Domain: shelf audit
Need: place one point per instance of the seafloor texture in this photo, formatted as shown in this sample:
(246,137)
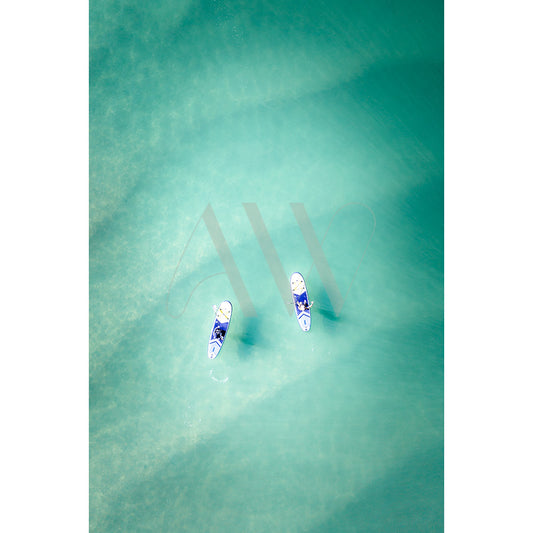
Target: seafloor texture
(336,105)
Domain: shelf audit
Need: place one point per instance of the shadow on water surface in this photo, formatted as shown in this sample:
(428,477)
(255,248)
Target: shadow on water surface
(323,307)
(249,335)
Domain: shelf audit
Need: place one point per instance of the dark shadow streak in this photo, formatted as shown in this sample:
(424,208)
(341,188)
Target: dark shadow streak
(250,334)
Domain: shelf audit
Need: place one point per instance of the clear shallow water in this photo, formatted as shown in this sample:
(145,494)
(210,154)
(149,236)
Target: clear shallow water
(338,106)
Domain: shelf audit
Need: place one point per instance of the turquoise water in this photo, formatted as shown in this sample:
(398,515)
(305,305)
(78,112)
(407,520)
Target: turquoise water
(336,105)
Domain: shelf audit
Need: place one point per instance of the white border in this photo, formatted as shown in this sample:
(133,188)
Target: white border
(44,224)
(488,267)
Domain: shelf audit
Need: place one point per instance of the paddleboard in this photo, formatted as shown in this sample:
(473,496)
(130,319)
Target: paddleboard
(301,301)
(219,329)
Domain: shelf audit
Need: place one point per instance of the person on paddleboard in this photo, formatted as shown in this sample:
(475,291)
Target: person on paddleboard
(304,306)
(219,333)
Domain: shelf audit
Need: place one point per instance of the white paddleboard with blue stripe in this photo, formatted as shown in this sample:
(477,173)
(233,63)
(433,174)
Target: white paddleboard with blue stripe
(219,329)
(300,298)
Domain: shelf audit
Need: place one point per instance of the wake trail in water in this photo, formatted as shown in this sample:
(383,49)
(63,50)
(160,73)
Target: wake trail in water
(216,379)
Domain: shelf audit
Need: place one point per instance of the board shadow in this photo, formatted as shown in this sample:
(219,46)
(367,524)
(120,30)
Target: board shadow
(323,307)
(250,334)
